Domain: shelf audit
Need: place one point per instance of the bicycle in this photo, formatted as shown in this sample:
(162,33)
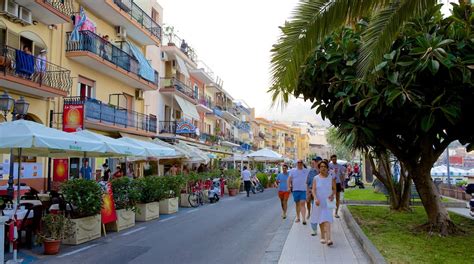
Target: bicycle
(196,197)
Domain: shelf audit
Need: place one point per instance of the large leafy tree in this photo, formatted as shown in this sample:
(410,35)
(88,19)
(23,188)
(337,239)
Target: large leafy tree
(413,103)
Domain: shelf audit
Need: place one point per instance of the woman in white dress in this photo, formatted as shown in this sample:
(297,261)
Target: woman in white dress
(324,191)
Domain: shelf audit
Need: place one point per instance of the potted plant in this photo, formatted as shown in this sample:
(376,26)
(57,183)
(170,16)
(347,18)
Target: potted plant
(125,198)
(150,191)
(233,181)
(55,227)
(85,197)
(172,186)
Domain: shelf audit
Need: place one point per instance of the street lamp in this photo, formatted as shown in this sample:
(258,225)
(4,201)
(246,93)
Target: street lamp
(20,109)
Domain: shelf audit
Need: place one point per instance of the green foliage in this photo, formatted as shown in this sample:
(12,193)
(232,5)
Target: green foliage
(260,167)
(150,189)
(232,178)
(394,234)
(85,195)
(263,178)
(172,185)
(125,196)
(461,183)
(273,179)
(55,227)
(339,145)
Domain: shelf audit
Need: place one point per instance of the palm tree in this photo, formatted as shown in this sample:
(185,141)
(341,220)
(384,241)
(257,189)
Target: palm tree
(314,19)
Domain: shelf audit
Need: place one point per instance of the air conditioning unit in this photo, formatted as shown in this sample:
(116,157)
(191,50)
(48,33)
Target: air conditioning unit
(121,32)
(9,8)
(24,16)
(139,94)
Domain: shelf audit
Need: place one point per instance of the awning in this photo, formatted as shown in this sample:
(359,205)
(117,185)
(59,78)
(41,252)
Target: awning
(229,144)
(182,67)
(187,107)
(195,154)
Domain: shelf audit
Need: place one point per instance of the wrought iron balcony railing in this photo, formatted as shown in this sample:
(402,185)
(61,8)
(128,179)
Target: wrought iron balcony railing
(179,86)
(91,42)
(137,14)
(113,115)
(37,69)
(64,6)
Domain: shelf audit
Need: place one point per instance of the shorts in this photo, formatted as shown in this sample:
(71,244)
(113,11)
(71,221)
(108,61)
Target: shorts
(283,195)
(299,196)
(338,187)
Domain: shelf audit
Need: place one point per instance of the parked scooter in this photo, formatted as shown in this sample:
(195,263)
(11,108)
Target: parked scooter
(215,191)
(470,191)
(354,181)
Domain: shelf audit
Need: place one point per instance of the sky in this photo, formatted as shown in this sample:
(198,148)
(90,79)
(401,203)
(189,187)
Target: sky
(234,39)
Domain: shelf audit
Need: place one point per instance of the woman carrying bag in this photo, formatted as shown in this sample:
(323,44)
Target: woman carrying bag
(324,192)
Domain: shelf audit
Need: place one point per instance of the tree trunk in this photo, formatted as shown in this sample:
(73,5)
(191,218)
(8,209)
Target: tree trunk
(438,217)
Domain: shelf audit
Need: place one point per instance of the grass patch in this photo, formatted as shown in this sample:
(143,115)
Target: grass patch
(394,236)
(368,194)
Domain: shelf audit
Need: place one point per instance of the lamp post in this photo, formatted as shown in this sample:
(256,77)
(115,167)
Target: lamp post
(20,109)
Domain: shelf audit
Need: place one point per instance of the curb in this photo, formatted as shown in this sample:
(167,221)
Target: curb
(369,248)
(446,204)
(274,249)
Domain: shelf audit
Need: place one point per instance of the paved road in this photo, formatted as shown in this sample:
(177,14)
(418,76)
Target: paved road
(235,230)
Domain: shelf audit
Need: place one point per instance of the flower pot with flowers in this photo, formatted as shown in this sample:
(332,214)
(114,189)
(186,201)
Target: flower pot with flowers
(54,228)
(125,198)
(85,196)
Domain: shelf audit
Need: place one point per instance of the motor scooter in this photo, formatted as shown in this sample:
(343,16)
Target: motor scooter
(470,191)
(354,181)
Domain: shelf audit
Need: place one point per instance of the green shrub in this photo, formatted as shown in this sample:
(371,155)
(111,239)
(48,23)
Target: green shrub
(461,183)
(172,185)
(55,227)
(232,178)
(125,196)
(273,179)
(149,188)
(263,178)
(85,195)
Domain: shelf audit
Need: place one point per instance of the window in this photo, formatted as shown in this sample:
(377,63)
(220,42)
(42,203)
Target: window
(86,88)
(155,16)
(177,115)
(208,128)
(196,91)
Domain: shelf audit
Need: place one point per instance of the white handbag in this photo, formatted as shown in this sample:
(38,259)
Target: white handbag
(331,204)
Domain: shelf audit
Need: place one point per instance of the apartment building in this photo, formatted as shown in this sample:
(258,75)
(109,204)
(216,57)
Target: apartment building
(81,65)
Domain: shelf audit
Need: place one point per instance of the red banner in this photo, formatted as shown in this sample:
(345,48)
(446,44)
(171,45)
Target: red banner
(73,117)
(456,160)
(60,170)
(108,213)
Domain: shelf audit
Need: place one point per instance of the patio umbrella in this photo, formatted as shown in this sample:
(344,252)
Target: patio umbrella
(195,154)
(151,149)
(113,146)
(75,32)
(265,155)
(179,153)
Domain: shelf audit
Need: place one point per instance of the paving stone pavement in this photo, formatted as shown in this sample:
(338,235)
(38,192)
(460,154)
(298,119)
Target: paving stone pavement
(300,247)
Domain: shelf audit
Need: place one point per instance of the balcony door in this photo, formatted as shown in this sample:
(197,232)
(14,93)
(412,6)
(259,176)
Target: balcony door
(85,88)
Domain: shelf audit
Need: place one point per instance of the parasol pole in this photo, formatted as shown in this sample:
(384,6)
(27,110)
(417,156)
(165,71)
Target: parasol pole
(18,181)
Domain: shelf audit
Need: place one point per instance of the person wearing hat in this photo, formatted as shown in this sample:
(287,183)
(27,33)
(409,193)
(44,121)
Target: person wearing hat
(313,172)
(41,65)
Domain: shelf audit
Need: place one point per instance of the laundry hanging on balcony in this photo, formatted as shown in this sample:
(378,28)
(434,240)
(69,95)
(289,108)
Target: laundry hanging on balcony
(80,21)
(146,71)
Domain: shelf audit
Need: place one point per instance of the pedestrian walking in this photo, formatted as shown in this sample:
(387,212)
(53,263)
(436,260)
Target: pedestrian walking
(283,192)
(313,172)
(338,171)
(297,184)
(245,174)
(324,192)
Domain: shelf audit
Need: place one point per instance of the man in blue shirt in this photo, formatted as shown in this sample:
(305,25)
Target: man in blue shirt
(309,182)
(86,171)
(283,192)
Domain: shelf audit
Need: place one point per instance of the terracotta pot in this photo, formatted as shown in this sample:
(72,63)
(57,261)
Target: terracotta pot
(233,192)
(51,247)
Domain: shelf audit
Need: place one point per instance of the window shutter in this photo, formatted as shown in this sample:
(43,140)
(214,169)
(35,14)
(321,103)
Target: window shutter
(13,39)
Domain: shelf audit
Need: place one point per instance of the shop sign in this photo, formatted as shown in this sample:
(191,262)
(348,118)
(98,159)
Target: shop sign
(73,117)
(185,127)
(60,170)
(108,213)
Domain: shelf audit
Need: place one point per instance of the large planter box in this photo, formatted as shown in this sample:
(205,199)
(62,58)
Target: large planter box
(169,206)
(226,190)
(147,212)
(125,219)
(86,229)
(183,201)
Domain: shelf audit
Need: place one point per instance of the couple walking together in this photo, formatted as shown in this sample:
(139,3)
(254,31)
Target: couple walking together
(319,184)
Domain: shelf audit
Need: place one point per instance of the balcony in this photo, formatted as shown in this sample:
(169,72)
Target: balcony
(49,12)
(244,126)
(32,75)
(184,51)
(103,116)
(93,51)
(205,105)
(175,86)
(125,13)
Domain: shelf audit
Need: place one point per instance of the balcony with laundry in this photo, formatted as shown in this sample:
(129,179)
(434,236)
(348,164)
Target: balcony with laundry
(130,67)
(107,117)
(140,26)
(48,12)
(34,75)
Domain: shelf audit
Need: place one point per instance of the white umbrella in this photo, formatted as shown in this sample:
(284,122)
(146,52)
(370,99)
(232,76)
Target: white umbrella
(236,157)
(194,154)
(113,146)
(151,149)
(265,155)
(38,140)
(179,153)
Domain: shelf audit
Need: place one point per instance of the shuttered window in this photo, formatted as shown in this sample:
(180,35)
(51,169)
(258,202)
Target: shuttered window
(13,39)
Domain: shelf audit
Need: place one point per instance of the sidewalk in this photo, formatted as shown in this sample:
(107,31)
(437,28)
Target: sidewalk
(301,247)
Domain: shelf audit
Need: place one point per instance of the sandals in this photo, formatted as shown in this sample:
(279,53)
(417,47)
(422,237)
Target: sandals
(297,220)
(304,222)
(330,243)
(323,241)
